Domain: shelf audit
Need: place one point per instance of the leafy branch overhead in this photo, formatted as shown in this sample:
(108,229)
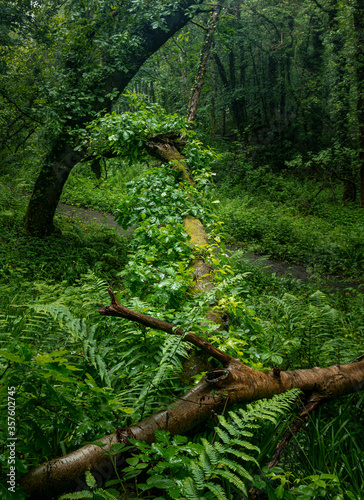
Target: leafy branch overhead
(125,134)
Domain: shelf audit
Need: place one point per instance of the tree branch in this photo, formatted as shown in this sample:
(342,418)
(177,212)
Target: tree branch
(19,109)
(116,309)
(236,382)
(314,402)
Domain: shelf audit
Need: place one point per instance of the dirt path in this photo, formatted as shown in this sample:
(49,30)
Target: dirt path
(88,215)
(284,269)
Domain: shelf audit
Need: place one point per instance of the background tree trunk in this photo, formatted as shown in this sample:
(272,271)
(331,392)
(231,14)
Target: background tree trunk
(201,72)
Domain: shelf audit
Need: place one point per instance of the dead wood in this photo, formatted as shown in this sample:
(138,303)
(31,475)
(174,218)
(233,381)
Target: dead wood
(234,382)
(116,309)
(314,402)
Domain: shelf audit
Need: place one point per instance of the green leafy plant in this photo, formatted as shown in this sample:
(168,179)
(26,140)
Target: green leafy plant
(94,492)
(205,469)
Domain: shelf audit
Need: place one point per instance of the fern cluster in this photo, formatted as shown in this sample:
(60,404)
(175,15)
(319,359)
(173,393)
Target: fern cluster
(219,466)
(214,468)
(78,374)
(312,331)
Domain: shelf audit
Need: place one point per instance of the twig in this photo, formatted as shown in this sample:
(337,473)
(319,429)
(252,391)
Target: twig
(19,109)
(223,413)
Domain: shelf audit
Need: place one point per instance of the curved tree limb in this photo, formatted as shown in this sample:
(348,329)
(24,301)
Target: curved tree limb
(236,383)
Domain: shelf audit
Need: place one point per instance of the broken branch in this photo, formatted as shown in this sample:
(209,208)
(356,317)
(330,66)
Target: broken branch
(116,309)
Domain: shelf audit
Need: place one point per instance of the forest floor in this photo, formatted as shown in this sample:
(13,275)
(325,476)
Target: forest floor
(280,268)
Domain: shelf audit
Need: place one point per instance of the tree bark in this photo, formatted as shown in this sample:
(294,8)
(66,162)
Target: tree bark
(201,72)
(237,110)
(48,189)
(234,383)
(62,158)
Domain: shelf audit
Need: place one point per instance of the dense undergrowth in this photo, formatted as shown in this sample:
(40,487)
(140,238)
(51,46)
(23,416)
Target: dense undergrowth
(79,376)
(279,215)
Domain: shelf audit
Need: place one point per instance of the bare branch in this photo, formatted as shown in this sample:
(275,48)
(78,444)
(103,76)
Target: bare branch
(19,109)
(116,309)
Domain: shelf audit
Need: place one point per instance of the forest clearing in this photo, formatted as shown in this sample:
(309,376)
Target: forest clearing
(182,249)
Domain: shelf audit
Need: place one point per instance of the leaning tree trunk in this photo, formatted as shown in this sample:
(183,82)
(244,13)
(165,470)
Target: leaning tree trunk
(168,149)
(48,189)
(234,383)
(53,175)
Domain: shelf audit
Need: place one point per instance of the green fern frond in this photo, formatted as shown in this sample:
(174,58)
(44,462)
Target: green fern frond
(233,431)
(198,475)
(77,495)
(246,444)
(217,490)
(211,451)
(221,460)
(234,479)
(205,463)
(189,489)
(240,454)
(319,299)
(232,465)
(224,436)
(99,493)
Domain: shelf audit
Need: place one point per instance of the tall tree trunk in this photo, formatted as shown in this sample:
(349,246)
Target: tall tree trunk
(235,383)
(213,102)
(201,72)
(234,105)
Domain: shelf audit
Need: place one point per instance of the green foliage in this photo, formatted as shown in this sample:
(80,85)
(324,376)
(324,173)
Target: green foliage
(77,375)
(84,189)
(156,204)
(330,455)
(160,252)
(62,258)
(94,493)
(291,88)
(299,326)
(59,258)
(313,330)
(124,134)
(203,469)
(330,240)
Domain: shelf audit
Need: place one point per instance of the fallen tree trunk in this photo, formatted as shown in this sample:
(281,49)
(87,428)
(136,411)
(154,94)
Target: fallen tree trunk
(233,383)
